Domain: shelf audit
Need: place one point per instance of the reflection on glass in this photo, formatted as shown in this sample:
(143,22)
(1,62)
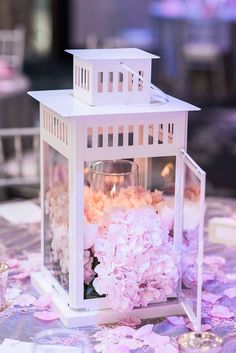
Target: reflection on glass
(163,174)
(56,221)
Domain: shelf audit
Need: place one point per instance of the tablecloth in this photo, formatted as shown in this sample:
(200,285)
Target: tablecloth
(23,242)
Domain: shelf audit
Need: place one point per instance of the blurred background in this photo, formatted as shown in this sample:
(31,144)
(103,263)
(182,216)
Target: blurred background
(195,39)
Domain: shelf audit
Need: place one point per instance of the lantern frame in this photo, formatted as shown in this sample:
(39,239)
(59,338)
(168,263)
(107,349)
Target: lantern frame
(72,128)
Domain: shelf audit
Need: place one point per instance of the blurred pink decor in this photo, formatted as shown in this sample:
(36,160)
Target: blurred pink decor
(3,284)
(6,71)
(12,46)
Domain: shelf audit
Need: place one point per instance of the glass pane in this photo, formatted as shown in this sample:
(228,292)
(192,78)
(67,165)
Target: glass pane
(129,251)
(56,217)
(192,223)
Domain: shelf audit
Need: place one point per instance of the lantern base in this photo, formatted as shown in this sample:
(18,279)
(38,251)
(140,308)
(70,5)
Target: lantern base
(82,317)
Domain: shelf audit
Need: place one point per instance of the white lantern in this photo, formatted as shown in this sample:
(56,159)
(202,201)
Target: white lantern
(122,202)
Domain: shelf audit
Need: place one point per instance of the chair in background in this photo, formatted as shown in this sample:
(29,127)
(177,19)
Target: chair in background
(126,26)
(12,46)
(19,163)
(202,52)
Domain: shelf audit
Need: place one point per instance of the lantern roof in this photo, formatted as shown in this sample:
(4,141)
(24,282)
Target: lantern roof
(111,54)
(65,104)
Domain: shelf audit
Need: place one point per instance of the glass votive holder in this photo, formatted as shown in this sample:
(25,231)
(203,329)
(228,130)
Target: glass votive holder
(3,284)
(111,176)
(60,340)
(203,342)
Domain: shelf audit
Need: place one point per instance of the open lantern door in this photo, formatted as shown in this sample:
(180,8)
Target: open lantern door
(192,220)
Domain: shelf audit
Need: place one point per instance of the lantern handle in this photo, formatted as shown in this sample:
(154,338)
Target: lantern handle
(163,97)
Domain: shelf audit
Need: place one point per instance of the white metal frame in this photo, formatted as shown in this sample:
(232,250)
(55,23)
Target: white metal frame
(117,93)
(81,153)
(89,69)
(78,152)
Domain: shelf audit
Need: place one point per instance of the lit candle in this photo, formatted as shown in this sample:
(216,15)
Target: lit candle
(110,177)
(113,191)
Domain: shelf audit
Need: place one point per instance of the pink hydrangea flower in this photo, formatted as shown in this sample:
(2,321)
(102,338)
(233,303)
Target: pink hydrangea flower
(137,262)
(57,208)
(96,205)
(166,214)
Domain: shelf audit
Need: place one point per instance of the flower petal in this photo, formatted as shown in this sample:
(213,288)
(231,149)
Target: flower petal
(24,300)
(156,341)
(13,263)
(143,331)
(210,297)
(204,327)
(230,292)
(43,301)
(124,331)
(46,315)
(214,260)
(21,276)
(176,320)
(221,311)
(130,321)
(168,348)
(118,348)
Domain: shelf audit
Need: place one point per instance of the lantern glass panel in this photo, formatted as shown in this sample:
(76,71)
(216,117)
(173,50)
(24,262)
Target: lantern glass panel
(192,243)
(129,218)
(56,215)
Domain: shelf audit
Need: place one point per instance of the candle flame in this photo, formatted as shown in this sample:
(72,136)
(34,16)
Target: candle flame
(167,169)
(113,191)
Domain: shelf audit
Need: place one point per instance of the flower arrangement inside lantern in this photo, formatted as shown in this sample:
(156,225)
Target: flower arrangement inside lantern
(129,252)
